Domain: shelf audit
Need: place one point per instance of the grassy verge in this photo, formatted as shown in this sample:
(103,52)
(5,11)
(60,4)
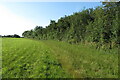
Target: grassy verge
(84,61)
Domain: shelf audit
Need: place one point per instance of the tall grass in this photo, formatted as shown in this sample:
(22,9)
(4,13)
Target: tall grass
(84,61)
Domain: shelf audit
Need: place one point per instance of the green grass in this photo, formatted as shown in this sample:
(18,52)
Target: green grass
(25,58)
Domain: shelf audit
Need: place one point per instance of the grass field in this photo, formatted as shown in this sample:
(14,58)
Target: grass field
(25,58)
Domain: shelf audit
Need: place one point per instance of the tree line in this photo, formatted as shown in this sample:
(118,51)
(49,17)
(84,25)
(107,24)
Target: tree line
(10,36)
(99,26)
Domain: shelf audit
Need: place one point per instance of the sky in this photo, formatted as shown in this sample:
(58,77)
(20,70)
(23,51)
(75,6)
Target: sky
(17,17)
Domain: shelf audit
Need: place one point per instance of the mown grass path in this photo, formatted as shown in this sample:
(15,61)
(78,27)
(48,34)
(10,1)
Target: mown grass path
(25,58)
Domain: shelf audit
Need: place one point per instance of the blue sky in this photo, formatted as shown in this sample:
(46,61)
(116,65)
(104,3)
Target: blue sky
(37,13)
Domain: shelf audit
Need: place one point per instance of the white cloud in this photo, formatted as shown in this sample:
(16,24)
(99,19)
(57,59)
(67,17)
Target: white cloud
(11,23)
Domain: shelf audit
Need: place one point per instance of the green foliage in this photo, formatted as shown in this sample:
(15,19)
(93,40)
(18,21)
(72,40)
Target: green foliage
(99,25)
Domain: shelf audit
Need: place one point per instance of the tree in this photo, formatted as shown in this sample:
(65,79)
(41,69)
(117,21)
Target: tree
(99,26)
